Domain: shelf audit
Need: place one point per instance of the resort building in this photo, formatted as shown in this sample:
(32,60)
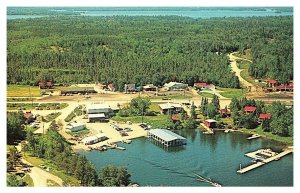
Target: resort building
(165,108)
(77,90)
(264,116)
(129,88)
(97,118)
(204,86)
(73,127)
(28,117)
(175,86)
(96,108)
(210,123)
(149,87)
(94,139)
(249,109)
(166,137)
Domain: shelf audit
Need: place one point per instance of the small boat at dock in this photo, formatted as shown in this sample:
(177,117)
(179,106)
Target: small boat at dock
(128,141)
(121,148)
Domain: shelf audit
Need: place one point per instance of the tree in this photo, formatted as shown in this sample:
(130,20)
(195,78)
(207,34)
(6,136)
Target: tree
(13,156)
(211,110)
(265,125)
(139,105)
(15,131)
(216,102)
(189,123)
(193,111)
(13,181)
(114,176)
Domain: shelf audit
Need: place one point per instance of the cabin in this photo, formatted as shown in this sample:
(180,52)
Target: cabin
(149,87)
(166,137)
(28,117)
(225,113)
(204,86)
(271,83)
(210,123)
(165,108)
(263,116)
(45,85)
(175,86)
(94,139)
(99,110)
(75,126)
(111,87)
(283,87)
(249,109)
(129,88)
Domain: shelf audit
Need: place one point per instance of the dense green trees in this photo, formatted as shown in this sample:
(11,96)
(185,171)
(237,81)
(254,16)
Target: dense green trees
(114,176)
(137,107)
(12,180)
(144,49)
(210,109)
(280,124)
(15,126)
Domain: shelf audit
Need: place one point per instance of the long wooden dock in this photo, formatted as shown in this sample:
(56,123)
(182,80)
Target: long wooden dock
(254,136)
(265,161)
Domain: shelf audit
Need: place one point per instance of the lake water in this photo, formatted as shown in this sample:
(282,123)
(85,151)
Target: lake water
(214,156)
(198,13)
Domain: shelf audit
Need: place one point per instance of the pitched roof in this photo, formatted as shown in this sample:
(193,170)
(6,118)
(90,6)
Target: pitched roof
(272,81)
(249,108)
(265,116)
(203,84)
(170,105)
(210,121)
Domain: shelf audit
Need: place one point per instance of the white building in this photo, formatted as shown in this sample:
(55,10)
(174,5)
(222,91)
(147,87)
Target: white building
(165,107)
(175,86)
(94,139)
(72,127)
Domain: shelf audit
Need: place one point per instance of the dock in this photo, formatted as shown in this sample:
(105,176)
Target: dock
(261,160)
(208,131)
(254,136)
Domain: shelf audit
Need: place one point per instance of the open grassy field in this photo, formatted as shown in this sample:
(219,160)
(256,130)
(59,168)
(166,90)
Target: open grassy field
(242,64)
(205,94)
(247,54)
(18,99)
(269,135)
(28,180)
(22,91)
(245,75)
(51,116)
(232,92)
(160,121)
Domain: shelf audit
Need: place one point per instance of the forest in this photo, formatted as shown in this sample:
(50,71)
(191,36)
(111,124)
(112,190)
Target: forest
(141,50)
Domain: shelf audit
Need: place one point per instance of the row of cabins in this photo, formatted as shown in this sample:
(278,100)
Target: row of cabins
(273,85)
(130,88)
(45,84)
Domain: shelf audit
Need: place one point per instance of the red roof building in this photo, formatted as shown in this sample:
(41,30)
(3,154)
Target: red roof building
(210,123)
(265,116)
(204,85)
(249,109)
(282,87)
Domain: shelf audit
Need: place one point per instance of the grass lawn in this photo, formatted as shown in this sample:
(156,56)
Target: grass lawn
(242,64)
(245,75)
(80,133)
(247,54)
(172,97)
(22,91)
(160,121)
(31,106)
(205,94)
(269,135)
(232,92)
(51,116)
(154,107)
(227,120)
(28,180)
(17,99)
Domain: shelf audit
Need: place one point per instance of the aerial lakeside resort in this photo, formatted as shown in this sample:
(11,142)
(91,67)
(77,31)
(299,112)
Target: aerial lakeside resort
(97,110)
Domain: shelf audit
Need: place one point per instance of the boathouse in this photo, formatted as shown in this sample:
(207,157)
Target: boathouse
(94,139)
(210,123)
(166,137)
(73,127)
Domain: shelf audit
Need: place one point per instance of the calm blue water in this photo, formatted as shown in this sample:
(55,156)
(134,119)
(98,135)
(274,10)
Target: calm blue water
(187,13)
(217,157)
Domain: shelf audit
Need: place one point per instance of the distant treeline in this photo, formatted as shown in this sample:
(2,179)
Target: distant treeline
(142,50)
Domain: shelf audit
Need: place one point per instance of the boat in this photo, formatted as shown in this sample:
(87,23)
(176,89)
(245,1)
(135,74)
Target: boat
(121,148)
(128,141)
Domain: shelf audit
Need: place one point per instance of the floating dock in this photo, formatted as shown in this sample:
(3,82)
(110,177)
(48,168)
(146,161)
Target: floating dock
(261,160)
(254,136)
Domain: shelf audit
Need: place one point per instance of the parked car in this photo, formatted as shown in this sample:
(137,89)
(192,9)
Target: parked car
(127,129)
